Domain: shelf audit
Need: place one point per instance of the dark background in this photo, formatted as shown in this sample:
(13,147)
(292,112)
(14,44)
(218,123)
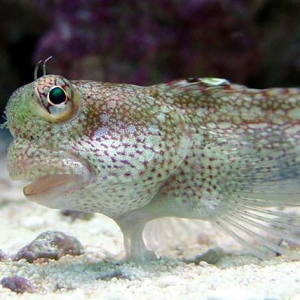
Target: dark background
(256,43)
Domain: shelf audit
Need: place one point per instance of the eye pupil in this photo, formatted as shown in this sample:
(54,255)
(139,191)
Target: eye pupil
(57,96)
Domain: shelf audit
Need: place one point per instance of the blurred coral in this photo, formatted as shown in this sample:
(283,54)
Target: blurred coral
(21,26)
(145,42)
(254,42)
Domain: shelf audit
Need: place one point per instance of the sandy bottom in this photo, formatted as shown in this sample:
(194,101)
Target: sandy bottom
(101,273)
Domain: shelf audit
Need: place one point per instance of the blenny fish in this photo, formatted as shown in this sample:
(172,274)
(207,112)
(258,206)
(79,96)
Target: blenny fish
(198,148)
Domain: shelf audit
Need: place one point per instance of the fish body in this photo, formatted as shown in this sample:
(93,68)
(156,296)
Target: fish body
(200,148)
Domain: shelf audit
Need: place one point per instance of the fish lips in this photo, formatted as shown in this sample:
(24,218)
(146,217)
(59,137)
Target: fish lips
(52,187)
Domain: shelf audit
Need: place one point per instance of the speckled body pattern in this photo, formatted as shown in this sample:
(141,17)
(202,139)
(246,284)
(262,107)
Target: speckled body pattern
(199,148)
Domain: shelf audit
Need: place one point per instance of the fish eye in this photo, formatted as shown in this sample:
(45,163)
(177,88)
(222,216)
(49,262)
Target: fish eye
(57,95)
(56,99)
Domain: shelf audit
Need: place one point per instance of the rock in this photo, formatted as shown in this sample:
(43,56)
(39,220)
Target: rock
(17,284)
(50,245)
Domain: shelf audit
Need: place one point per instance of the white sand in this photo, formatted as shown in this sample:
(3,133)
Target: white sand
(234,277)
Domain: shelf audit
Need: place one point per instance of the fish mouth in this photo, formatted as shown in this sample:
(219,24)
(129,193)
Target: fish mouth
(52,184)
(54,175)
(55,191)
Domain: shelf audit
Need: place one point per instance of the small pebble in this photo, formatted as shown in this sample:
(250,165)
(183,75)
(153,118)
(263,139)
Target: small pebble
(236,293)
(114,274)
(169,280)
(75,214)
(203,239)
(2,255)
(50,245)
(17,284)
(211,256)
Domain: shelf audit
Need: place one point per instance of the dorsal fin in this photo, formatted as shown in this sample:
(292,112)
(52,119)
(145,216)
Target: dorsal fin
(193,84)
